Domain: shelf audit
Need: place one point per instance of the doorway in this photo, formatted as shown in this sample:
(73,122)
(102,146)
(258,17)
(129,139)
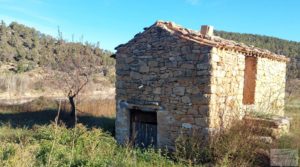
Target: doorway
(143,128)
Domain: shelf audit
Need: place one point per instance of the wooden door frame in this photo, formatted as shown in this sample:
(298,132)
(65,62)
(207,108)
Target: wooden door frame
(150,121)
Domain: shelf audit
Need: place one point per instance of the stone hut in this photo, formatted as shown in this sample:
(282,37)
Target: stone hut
(172,81)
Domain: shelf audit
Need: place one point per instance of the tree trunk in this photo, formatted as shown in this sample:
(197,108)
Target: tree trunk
(73,113)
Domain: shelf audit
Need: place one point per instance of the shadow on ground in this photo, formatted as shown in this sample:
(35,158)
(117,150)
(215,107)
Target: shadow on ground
(45,117)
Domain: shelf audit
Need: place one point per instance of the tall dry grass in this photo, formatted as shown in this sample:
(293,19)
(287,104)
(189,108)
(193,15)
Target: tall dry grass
(106,107)
(42,111)
(292,139)
(237,146)
(97,108)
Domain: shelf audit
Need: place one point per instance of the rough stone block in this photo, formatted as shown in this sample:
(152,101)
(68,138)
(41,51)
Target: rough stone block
(187,66)
(201,122)
(157,91)
(203,66)
(188,119)
(144,69)
(135,75)
(153,63)
(179,90)
(186,99)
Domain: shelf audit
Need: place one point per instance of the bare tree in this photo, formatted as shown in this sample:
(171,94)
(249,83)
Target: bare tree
(72,71)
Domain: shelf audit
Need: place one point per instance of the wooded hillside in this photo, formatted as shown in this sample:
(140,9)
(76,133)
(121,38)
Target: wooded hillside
(26,48)
(276,45)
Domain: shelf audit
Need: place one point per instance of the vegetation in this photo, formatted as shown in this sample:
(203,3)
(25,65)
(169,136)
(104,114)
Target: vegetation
(69,65)
(26,48)
(74,70)
(92,113)
(235,147)
(58,146)
(29,137)
(276,45)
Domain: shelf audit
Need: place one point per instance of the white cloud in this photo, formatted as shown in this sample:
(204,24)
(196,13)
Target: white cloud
(31,14)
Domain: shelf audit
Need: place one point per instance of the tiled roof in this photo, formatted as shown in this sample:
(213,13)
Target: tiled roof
(218,42)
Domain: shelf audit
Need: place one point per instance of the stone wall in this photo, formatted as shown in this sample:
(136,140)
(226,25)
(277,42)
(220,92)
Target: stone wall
(158,68)
(227,88)
(227,83)
(270,86)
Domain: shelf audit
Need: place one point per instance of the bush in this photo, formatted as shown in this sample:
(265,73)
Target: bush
(24,67)
(237,146)
(193,149)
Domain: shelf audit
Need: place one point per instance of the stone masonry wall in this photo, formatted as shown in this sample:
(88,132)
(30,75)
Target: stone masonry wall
(163,69)
(227,88)
(270,86)
(227,83)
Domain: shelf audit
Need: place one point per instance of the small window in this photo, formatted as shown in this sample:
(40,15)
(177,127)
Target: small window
(249,80)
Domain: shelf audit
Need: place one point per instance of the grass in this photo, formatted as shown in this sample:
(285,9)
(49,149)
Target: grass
(51,145)
(98,114)
(96,108)
(291,140)
(29,137)
(234,147)
(106,107)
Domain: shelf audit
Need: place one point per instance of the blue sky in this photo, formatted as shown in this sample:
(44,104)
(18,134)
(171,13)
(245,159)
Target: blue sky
(112,22)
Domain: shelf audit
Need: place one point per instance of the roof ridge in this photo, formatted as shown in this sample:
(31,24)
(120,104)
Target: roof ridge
(217,41)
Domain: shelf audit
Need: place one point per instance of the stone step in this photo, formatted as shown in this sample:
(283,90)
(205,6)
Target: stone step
(274,127)
(274,122)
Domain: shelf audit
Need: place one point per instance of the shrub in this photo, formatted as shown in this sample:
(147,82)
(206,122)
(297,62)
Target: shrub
(24,67)
(237,146)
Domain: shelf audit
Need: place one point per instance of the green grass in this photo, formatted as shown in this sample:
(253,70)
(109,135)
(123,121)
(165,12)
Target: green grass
(51,145)
(28,137)
(292,139)
(31,139)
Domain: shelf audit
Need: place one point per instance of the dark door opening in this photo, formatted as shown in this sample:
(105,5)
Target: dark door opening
(143,128)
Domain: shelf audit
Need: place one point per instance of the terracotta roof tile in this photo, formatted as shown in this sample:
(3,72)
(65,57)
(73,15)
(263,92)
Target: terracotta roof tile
(218,42)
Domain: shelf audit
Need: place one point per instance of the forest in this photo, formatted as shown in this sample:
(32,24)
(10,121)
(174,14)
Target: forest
(276,45)
(26,48)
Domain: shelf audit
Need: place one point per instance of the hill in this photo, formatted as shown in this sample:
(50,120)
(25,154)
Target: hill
(276,45)
(28,57)
(25,48)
